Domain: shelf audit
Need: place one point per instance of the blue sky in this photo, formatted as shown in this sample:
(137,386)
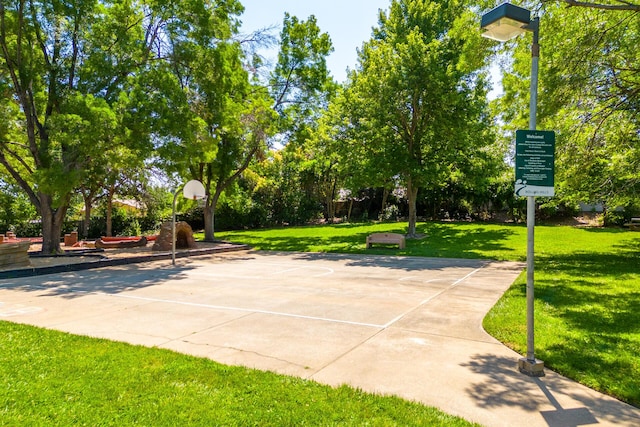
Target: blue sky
(348,23)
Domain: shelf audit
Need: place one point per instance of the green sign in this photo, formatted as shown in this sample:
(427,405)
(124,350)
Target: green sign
(535,155)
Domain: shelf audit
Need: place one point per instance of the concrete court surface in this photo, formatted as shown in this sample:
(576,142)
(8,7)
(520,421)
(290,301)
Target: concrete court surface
(390,325)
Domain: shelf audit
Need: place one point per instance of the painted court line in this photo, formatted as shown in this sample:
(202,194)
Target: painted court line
(18,310)
(244,310)
(328,272)
(432,297)
(289,268)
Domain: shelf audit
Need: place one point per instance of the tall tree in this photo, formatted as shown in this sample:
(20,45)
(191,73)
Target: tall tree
(124,52)
(416,104)
(237,147)
(589,94)
(301,84)
(302,88)
(225,120)
(238,118)
(65,63)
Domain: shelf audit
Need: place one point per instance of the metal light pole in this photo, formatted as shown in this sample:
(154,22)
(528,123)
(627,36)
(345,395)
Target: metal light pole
(504,23)
(531,366)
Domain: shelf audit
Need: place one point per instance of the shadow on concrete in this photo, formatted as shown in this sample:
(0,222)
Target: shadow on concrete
(79,283)
(101,261)
(403,263)
(504,386)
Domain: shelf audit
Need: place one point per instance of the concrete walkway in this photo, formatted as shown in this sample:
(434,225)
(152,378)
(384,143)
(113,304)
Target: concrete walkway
(392,325)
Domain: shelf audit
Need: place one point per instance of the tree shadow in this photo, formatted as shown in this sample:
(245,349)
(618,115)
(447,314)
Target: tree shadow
(456,241)
(404,263)
(594,295)
(504,386)
(441,240)
(73,285)
(603,311)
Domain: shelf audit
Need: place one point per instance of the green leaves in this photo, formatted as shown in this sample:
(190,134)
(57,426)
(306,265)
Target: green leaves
(301,85)
(416,104)
(590,95)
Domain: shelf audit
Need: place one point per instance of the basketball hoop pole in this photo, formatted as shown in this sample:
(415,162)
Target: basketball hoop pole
(173,227)
(192,189)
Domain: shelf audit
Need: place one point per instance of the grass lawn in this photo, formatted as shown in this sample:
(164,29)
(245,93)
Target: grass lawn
(587,283)
(52,378)
(461,240)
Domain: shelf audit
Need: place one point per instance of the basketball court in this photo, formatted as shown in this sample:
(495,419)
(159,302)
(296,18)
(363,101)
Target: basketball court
(394,325)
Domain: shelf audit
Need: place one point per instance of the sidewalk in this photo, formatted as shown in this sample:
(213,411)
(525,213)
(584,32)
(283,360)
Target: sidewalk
(392,325)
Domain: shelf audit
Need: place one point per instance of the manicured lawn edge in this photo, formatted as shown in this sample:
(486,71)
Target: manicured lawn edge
(53,378)
(587,283)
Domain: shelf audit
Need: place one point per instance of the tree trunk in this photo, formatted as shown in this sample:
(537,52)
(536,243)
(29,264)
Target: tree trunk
(412,194)
(52,220)
(210,218)
(87,217)
(209,223)
(331,210)
(109,215)
(385,198)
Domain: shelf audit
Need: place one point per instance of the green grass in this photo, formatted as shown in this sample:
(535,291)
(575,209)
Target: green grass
(461,240)
(587,289)
(51,378)
(587,283)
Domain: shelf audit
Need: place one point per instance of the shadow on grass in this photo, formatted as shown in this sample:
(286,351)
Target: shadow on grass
(455,240)
(445,240)
(601,361)
(597,297)
(596,291)
(598,312)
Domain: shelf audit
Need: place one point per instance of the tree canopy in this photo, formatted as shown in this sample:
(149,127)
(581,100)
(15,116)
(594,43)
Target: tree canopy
(93,92)
(416,102)
(589,94)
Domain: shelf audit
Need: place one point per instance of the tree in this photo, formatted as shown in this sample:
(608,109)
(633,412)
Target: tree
(224,120)
(123,52)
(416,104)
(237,118)
(301,84)
(65,64)
(302,87)
(616,5)
(589,94)
(237,147)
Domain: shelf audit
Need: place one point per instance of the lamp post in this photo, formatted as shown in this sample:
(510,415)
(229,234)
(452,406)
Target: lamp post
(503,23)
(191,190)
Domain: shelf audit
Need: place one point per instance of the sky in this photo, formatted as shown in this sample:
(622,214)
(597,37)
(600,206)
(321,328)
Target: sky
(348,22)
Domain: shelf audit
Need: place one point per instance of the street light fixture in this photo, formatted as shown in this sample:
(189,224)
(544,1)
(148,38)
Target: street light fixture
(191,190)
(503,23)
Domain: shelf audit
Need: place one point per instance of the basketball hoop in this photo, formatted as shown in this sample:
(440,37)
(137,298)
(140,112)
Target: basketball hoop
(194,190)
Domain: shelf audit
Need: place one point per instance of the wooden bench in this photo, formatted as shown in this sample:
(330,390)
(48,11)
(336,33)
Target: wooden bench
(634,224)
(386,239)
